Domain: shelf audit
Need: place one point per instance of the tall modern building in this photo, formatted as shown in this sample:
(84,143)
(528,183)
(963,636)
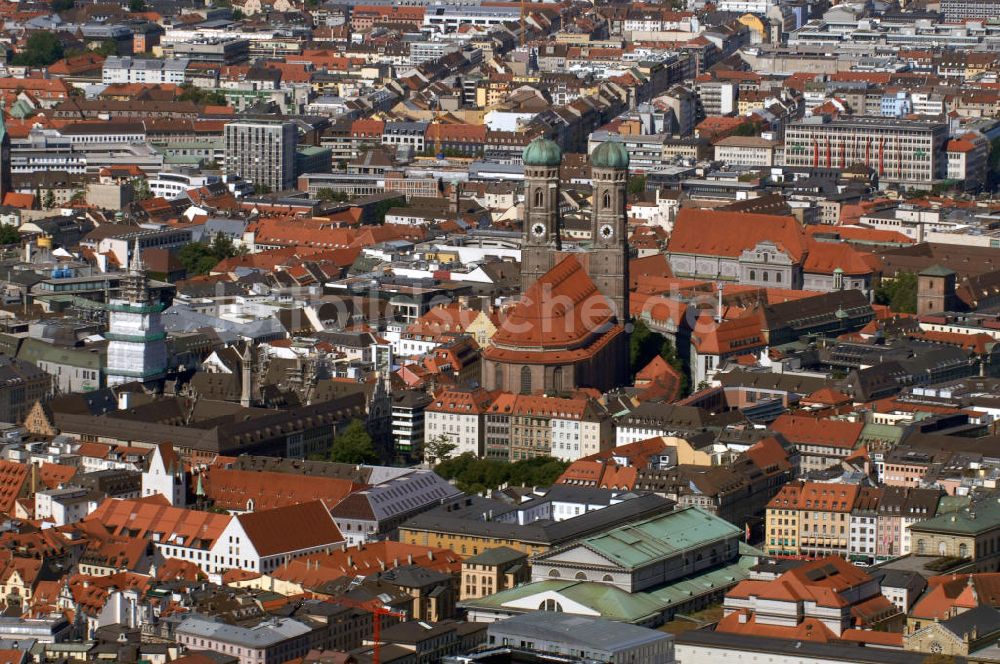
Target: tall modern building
(957,11)
(262,152)
(903,151)
(137,348)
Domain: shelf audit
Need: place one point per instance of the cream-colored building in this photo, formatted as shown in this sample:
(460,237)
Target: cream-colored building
(493,570)
(746,151)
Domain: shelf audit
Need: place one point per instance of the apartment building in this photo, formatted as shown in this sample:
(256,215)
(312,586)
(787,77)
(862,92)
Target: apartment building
(908,152)
(959,11)
(262,152)
(746,151)
(458,416)
(143,70)
(810,519)
(567,429)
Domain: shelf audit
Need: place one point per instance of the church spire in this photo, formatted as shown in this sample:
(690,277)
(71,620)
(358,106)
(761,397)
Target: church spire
(135,265)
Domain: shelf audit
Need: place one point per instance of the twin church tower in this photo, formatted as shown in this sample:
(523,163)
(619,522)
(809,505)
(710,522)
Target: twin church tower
(607,260)
(568,330)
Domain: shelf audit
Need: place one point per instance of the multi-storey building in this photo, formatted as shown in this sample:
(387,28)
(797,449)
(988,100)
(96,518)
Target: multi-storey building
(408,423)
(901,151)
(864,525)
(457,416)
(21,385)
(143,70)
(959,11)
(746,151)
(493,570)
(263,152)
(810,519)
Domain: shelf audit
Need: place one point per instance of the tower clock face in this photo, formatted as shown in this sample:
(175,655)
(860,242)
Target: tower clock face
(607,232)
(538,230)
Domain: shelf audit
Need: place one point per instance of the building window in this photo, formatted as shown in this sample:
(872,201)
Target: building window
(606,201)
(539,198)
(550,605)
(525,380)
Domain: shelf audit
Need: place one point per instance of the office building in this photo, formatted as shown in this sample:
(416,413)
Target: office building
(262,152)
(908,152)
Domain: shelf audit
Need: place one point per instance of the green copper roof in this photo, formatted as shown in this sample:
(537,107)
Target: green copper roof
(936,271)
(610,154)
(977,518)
(613,603)
(639,544)
(542,152)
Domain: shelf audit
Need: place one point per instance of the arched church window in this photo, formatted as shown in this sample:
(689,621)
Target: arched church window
(499,376)
(550,605)
(557,379)
(607,200)
(525,380)
(539,197)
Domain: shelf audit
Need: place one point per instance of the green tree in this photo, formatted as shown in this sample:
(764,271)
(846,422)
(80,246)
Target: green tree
(439,448)
(261,189)
(645,344)
(136,6)
(9,234)
(140,186)
(636,185)
(61,5)
(200,258)
(78,198)
(330,196)
(746,129)
(474,475)
(900,294)
(48,199)
(41,50)
(194,94)
(197,258)
(107,47)
(354,445)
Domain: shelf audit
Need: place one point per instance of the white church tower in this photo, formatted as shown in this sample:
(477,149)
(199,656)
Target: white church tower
(137,348)
(165,476)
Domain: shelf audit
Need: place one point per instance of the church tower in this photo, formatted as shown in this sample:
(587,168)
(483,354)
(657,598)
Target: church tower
(608,266)
(137,348)
(6,180)
(541,238)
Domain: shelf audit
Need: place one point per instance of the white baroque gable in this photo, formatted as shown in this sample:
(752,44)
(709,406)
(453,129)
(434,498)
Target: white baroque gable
(534,602)
(577,555)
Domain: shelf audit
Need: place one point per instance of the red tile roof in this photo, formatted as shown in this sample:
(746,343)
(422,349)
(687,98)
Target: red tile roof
(560,310)
(814,431)
(825,257)
(232,489)
(714,233)
(292,528)
(12,478)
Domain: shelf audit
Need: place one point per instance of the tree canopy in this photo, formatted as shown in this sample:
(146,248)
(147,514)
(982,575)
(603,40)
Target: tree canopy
(474,475)
(9,234)
(198,258)
(41,50)
(192,93)
(354,445)
(899,293)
